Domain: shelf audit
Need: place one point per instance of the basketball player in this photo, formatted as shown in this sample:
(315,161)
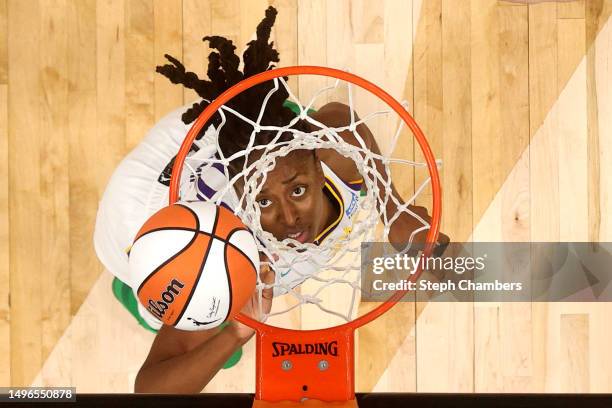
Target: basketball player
(302,199)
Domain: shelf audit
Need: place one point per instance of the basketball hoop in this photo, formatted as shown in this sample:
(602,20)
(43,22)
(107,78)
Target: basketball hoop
(295,365)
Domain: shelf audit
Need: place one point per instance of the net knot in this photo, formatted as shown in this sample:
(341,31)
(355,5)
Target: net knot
(310,299)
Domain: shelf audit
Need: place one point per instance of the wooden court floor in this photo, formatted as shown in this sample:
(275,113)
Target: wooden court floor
(515,99)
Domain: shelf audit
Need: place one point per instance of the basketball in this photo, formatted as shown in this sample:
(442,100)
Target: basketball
(194,265)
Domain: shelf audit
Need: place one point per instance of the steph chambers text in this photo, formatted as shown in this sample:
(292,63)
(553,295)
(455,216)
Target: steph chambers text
(462,285)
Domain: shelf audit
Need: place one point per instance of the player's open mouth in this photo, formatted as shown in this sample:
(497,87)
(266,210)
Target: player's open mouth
(300,236)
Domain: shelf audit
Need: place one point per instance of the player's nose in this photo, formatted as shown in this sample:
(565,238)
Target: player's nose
(289,215)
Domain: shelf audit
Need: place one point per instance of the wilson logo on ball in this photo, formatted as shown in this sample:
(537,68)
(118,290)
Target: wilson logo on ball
(159,307)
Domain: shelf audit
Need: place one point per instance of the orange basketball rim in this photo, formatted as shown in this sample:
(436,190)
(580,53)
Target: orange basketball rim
(321,367)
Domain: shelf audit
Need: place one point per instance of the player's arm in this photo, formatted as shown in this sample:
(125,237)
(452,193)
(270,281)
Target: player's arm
(185,361)
(406,224)
(338,115)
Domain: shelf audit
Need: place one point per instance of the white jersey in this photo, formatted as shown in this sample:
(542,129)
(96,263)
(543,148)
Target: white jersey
(139,187)
(345,196)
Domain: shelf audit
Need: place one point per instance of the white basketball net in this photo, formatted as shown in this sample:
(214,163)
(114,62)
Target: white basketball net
(306,272)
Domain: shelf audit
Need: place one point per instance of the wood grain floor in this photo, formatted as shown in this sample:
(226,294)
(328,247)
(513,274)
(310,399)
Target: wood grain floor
(515,99)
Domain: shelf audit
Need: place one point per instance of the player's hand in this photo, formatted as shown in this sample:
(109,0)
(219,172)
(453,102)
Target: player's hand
(403,227)
(258,304)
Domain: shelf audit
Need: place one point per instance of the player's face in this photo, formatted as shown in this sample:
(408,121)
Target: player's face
(292,201)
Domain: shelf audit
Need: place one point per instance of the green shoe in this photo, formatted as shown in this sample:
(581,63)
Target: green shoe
(126,297)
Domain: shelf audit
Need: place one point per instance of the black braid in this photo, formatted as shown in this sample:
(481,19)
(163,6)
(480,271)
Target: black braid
(259,53)
(223,72)
(177,75)
(229,61)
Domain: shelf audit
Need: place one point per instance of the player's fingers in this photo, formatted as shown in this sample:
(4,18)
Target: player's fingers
(267,276)
(442,244)
(268,279)
(267,294)
(266,273)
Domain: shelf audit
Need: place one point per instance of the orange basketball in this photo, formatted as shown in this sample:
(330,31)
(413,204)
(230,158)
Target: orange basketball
(194,265)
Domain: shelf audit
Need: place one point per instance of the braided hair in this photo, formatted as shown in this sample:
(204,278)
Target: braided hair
(223,72)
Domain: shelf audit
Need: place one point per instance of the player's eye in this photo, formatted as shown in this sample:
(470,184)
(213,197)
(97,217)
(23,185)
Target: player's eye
(264,202)
(299,191)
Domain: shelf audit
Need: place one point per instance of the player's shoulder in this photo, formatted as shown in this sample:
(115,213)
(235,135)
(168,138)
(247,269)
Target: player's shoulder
(342,167)
(333,114)
(336,114)
(339,115)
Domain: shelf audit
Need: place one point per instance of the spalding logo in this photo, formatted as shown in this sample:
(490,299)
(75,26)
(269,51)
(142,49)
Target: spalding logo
(284,349)
(159,307)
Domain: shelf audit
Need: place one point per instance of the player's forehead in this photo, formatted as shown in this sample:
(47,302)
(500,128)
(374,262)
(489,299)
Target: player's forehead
(296,163)
(300,160)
